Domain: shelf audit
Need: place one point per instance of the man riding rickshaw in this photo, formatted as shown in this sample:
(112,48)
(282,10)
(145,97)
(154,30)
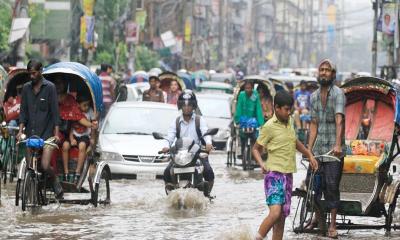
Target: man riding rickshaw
(250,111)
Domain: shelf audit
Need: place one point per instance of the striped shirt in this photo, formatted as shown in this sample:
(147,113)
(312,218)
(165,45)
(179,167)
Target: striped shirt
(108,85)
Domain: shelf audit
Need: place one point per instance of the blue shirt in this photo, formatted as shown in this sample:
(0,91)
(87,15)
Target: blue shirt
(303,99)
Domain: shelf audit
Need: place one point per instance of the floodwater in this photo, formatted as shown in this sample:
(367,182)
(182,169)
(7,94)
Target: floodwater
(141,210)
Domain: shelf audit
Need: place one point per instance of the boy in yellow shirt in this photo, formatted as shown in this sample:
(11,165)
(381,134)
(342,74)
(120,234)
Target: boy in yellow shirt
(278,138)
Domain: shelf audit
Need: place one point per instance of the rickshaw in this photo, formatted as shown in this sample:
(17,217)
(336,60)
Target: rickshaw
(167,77)
(187,79)
(233,143)
(80,80)
(11,155)
(139,76)
(367,186)
(311,86)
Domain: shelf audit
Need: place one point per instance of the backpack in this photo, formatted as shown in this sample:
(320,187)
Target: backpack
(198,130)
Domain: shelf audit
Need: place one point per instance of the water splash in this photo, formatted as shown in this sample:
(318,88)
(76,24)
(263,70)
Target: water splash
(241,232)
(188,198)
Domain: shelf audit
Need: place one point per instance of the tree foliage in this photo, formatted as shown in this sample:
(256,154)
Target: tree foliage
(5,24)
(145,59)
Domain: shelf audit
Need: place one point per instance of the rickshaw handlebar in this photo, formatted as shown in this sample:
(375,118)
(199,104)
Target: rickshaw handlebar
(47,142)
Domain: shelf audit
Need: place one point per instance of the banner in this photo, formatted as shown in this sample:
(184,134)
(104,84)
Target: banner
(87,31)
(131,32)
(388,19)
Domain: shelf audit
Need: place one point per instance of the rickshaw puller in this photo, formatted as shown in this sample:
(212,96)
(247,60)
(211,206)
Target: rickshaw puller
(327,134)
(40,115)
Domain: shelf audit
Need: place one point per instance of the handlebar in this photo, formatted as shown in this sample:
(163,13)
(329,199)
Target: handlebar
(47,142)
(10,127)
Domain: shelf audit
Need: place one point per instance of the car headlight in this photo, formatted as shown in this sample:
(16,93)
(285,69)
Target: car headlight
(183,158)
(225,133)
(111,156)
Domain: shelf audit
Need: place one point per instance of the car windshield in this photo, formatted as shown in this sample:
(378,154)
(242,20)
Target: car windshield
(214,107)
(131,120)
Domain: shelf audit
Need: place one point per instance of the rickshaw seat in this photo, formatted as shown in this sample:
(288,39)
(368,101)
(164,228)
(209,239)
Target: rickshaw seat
(361,164)
(363,156)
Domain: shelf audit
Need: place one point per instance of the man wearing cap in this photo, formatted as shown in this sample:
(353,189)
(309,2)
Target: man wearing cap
(154,94)
(327,137)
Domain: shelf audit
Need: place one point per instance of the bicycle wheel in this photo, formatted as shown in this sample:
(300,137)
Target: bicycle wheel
(102,190)
(13,163)
(245,157)
(6,162)
(29,195)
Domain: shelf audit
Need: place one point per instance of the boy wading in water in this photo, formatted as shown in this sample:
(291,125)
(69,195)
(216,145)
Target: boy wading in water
(278,138)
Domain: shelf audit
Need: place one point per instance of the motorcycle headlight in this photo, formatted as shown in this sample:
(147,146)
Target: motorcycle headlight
(183,158)
(111,156)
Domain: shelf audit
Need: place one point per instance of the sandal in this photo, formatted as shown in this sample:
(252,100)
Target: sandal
(332,234)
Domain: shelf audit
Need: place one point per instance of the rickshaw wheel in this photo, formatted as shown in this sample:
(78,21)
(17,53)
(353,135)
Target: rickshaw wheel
(17,192)
(29,191)
(102,190)
(390,213)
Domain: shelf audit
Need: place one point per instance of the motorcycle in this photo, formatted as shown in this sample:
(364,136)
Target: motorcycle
(187,167)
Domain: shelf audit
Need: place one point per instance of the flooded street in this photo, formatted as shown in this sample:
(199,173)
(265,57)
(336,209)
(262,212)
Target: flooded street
(141,210)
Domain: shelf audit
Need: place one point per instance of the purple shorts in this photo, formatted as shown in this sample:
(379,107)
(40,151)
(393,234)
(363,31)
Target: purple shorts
(278,190)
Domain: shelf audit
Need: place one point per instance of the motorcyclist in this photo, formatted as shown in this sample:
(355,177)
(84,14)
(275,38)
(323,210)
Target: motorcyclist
(189,124)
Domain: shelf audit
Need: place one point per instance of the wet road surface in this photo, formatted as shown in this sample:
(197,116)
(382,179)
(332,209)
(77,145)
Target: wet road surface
(140,210)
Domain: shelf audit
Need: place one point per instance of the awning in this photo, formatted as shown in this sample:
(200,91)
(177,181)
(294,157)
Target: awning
(18,29)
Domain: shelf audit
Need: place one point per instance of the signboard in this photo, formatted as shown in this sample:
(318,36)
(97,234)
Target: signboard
(18,29)
(131,32)
(168,39)
(188,30)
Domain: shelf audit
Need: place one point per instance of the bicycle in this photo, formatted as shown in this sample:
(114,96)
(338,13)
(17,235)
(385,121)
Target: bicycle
(249,138)
(9,157)
(35,182)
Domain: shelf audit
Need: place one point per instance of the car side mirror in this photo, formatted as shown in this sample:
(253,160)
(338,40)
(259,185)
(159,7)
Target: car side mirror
(158,136)
(211,132)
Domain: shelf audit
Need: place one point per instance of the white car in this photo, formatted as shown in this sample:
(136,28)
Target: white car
(132,92)
(126,140)
(216,110)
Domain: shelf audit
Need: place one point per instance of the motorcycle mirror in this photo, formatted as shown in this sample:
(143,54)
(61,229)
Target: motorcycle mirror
(211,132)
(157,136)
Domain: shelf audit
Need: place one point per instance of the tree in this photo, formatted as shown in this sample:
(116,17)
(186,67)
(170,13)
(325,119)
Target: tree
(5,24)
(145,59)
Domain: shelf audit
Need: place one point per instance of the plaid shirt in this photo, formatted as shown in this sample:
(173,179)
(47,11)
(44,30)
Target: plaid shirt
(325,117)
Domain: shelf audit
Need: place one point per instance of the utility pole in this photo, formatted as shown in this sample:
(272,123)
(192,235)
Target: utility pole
(375,39)
(131,59)
(220,30)
(22,12)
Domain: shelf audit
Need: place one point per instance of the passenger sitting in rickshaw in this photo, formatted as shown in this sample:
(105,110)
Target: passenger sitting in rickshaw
(80,136)
(12,107)
(69,111)
(302,105)
(266,102)
(248,106)
(173,92)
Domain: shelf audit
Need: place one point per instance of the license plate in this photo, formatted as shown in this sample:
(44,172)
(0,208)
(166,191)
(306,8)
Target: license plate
(145,176)
(184,170)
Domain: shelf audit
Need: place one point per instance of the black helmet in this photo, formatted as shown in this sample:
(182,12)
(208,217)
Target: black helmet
(187,97)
